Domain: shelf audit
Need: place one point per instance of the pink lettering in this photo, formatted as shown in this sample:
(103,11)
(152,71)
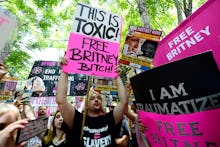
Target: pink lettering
(2,20)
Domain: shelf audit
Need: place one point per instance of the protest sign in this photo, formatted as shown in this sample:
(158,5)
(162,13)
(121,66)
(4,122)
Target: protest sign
(7,88)
(188,86)
(43,79)
(198,33)
(8,23)
(94,42)
(139,47)
(43,101)
(105,85)
(184,86)
(200,129)
(33,128)
(79,86)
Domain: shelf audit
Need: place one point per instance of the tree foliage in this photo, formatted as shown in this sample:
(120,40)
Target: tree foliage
(47,23)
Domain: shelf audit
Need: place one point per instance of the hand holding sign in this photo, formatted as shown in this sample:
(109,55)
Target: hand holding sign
(33,128)
(6,138)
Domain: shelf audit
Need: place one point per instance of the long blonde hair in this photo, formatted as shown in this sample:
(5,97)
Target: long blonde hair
(52,132)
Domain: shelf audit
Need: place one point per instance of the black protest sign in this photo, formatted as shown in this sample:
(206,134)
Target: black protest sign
(43,79)
(185,86)
(33,128)
(79,86)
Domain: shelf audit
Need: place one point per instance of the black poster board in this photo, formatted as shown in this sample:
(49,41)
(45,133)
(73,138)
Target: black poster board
(185,86)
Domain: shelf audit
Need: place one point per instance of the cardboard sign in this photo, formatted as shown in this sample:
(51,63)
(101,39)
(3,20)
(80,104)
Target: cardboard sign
(139,47)
(43,101)
(7,88)
(184,86)
(33,128)
(200,129)
(198,33)
(94,42)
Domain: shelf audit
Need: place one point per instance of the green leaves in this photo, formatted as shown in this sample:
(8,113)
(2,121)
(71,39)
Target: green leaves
(47,23)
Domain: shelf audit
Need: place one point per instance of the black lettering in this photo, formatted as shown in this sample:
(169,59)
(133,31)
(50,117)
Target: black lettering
(84,29)
(209,144)
(82,6)
(182,129)
(92,13)
(75,54)
(96,67)
(84,67)
(169,128)
(188,145)
(97,31)
(174,142)
(159,125)
(108,34)
(79,23)
(102,15)
(194,128)
(88,56)
(94,44)
(116,21)
(164,140)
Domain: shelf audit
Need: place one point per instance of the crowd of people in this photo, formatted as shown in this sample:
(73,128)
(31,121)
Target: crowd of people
(95,126)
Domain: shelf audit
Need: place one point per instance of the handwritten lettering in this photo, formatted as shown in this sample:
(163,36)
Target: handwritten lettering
(96,22)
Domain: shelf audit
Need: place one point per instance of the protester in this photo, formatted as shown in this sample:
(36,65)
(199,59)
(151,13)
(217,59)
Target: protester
(27,112)
(122,134)
(9,124)
(132,115)
(55,136)
(136,126)
(42,111)
(97,129)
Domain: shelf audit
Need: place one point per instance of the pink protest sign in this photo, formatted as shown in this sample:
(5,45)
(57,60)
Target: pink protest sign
(94,42)
(198,33)
(200,129)
(7,25)
(89,55)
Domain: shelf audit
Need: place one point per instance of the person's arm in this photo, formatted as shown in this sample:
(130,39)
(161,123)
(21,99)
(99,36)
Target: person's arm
(131,114)
(66,109)
(123,141)
(120,108)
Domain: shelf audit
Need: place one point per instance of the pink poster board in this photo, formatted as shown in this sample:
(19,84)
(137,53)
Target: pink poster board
(200,129)
(94,42)
(198,33)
